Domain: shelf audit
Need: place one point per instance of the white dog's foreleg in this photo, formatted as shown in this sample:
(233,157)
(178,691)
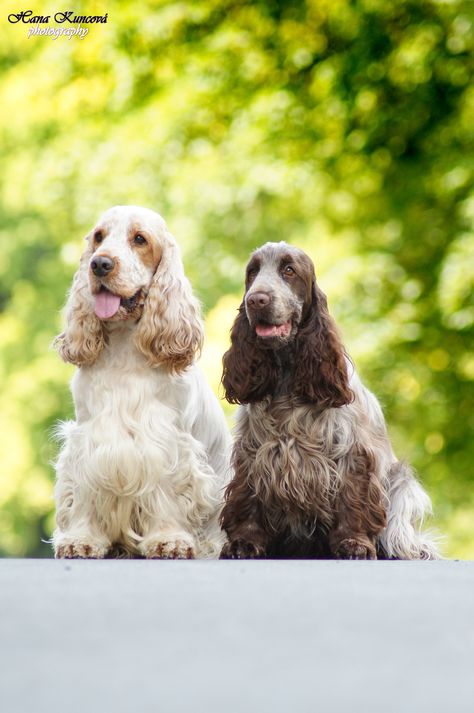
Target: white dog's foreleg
(77,533)
(179,512)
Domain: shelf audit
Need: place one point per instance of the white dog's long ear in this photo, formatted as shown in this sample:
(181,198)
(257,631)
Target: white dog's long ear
(170,331)
(83,339)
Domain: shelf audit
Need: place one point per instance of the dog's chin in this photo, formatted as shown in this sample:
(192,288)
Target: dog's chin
(112,307)
(274,336)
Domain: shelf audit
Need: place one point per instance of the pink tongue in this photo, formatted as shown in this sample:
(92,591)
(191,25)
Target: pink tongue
(106,304)
(273,330)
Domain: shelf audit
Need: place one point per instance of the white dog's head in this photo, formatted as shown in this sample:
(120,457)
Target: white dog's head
(126,247)
(132,271)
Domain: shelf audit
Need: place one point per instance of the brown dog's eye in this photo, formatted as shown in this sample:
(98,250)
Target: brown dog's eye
(98,237)
(288,270)
(139,240)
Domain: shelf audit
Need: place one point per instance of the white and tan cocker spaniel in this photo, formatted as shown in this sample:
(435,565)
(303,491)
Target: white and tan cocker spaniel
(143,466)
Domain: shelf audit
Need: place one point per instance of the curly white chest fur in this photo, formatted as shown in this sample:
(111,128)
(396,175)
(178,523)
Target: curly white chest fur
(137,457)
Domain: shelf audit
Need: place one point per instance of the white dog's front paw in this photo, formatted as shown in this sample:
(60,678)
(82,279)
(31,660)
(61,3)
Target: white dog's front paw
(79,548)
(170,546)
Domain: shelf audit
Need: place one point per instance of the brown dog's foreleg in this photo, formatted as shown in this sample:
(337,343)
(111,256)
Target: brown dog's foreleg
(242,520)
(360,511)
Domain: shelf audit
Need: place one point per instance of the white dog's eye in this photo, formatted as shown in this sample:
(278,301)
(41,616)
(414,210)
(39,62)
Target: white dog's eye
(288,270)
(98,236)
(139,240)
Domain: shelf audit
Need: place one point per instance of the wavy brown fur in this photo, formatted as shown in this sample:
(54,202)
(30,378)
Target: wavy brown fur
(251,371)
(314,469)
(321,369)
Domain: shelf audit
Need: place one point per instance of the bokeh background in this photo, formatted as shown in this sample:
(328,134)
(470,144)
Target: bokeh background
(343,127)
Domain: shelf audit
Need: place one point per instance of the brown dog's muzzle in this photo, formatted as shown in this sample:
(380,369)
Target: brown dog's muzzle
(258,300)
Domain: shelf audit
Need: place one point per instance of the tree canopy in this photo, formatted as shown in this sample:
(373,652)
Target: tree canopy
(344,127)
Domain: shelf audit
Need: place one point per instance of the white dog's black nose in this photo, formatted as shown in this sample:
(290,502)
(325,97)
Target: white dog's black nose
(101,265)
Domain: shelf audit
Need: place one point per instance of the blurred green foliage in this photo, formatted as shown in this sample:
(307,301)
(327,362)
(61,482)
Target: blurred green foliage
(343,127)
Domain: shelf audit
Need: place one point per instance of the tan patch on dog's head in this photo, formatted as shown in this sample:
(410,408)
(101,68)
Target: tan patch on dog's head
(146,244)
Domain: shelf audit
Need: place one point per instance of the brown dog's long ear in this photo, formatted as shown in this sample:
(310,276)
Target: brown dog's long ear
(83,339)
(321,362)
(170,331)
(248,373)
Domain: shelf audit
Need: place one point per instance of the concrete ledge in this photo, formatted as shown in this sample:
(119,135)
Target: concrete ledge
(248,637)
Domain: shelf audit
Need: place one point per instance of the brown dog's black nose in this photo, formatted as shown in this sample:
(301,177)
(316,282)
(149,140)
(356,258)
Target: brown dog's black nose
(101,265)
(258,300)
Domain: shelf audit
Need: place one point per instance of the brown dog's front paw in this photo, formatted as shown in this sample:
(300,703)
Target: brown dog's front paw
(352,549)
(241,550)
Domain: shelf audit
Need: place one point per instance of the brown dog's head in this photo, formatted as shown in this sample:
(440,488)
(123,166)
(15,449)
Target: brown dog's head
(284,309)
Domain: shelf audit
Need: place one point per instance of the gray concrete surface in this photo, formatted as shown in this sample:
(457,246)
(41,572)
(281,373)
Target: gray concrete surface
(263,637)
